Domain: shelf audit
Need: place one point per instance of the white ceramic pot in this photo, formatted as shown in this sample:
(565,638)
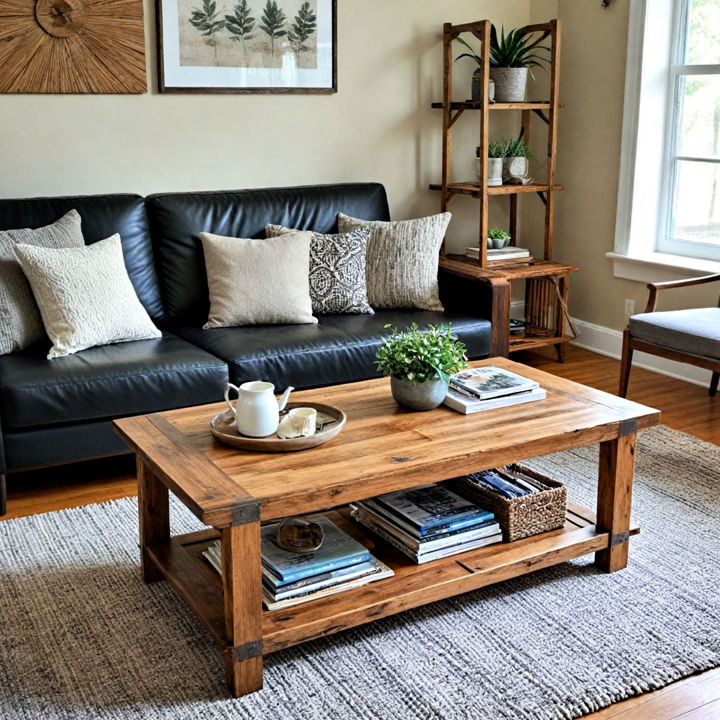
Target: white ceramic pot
(515,167)
(510,83)
(495,172)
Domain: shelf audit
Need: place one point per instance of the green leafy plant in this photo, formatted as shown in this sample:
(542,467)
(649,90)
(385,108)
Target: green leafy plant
(498,234)
(272,23)
(241,25)
(495,150)
(207,22)
(304,25)
(516,148)
(420,355)
(513,49)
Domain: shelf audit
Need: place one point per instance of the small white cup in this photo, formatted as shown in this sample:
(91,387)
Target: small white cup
(299,422)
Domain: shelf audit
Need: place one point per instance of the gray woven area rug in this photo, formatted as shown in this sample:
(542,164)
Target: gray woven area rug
(83,637)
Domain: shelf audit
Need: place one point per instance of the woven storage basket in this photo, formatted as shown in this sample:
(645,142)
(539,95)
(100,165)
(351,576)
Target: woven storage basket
(525,516)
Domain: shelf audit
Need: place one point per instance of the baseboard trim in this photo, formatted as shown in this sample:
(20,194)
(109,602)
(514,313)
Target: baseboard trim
(606,341)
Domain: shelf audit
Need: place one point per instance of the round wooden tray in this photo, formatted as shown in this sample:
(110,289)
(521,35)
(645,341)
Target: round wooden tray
(224,428)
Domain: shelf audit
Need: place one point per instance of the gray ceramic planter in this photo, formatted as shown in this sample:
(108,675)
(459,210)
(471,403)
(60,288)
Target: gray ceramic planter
(510,83)
(418,396)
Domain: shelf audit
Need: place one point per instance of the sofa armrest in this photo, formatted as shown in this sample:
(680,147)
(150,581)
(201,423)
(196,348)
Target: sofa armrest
(485,298)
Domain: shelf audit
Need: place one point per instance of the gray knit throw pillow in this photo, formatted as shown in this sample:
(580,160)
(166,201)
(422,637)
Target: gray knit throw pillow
(402,260)
(20,322)
(337,271)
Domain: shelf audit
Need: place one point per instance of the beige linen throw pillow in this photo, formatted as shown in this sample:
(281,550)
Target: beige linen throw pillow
(20,322)
(253,282)
(402,260)
(85,296)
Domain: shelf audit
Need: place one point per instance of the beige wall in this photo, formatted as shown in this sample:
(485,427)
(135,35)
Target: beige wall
(592,88)
(379,126)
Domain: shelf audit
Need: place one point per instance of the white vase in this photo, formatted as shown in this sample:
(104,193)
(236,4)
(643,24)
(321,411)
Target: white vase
(515,167)
(510,83)
(495,172)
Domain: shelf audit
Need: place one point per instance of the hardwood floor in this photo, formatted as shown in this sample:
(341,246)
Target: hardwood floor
(685,407)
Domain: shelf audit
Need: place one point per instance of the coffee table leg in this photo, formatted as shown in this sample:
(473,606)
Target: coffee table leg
(242,584)
(614,500)
(154,514)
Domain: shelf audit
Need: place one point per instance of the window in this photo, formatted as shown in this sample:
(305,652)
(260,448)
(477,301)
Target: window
(668,211)
(691,190)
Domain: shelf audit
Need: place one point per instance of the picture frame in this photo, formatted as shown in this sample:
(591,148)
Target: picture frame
(247,46)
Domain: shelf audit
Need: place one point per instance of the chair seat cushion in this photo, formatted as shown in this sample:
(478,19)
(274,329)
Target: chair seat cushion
(695,331)
(107,382)
(340,348)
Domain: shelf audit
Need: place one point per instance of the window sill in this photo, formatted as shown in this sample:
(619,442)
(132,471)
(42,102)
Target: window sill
(660,267)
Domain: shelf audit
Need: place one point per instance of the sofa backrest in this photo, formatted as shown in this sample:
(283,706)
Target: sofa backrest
(102,216)
(177,219)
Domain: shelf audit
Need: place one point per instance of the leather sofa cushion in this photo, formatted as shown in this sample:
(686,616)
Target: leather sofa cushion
(106,382)
(695,331)
(102,216)
(340,348)
(176,219)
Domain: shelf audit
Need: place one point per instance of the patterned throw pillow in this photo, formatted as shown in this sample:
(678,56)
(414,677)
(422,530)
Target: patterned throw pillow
(85,296)
(337,271)
(402,260)
(20,323)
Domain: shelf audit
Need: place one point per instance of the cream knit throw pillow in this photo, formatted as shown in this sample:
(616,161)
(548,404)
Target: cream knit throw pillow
(402,260)
(253,282)
(20,322)
(85,296)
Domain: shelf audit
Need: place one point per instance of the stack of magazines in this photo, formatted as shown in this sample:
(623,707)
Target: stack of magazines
(291,578)
(490,387)
(428,522)
(504,484)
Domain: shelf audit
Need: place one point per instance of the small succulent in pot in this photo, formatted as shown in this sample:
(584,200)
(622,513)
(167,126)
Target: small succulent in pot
(497,238)
(495,162)
(420,363)
(517,154)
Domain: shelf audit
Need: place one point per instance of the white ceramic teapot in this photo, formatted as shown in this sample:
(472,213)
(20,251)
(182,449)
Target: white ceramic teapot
(257,410)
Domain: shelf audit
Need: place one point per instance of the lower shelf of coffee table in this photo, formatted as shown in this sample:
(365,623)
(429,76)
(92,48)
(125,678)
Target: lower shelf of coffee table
(181,563)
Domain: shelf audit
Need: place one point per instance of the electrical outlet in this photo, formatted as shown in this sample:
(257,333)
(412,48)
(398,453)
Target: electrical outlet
(629,308)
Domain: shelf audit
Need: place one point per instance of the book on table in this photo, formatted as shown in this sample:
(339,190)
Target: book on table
(490,381)
(428,522)
(507,253)
(467,404)
(288,578)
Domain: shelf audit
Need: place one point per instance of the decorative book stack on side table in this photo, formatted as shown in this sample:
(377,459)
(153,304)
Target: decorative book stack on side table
(382,449)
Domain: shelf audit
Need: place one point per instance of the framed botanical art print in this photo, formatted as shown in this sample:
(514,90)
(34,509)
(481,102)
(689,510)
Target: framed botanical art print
(247,46)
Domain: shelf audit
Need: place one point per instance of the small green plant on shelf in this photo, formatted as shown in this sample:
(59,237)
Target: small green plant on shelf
(512,57)
(516,148)
(495,150)
(498,234)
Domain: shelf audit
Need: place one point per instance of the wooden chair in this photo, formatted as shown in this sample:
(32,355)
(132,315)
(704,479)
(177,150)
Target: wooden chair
(690,336)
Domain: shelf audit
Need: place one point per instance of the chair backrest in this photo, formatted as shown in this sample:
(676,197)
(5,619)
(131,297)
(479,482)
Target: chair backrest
(177,219)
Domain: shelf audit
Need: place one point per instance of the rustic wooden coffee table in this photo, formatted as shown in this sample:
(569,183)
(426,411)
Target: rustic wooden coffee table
(382,448)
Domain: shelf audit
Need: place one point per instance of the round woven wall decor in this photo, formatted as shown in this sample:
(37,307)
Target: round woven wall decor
(72,46)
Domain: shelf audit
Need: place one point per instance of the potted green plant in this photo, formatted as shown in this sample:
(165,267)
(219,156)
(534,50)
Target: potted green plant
(497,238)
(495,159)
(517,155)
(419,364)
(512,56)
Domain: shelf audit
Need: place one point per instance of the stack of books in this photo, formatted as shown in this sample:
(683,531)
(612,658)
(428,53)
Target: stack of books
(490,387)
(428,522)
(507,253)
(291,578)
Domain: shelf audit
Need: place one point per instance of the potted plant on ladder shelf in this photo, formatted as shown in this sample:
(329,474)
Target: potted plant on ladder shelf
(512,57)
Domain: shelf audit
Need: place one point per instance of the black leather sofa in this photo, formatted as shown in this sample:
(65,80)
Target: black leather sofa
(59,411)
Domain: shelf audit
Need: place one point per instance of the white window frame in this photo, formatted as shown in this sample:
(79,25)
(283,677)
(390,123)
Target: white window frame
(679,69)
(643,190)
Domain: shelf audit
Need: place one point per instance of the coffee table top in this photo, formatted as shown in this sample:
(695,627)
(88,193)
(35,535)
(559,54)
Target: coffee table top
(382,447)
